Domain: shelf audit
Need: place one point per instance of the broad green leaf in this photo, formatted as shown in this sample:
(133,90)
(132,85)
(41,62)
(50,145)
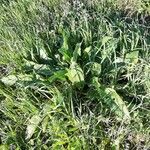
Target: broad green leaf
(58,75)
(43,54)
(77,52)
(112,99)
(65,39)
(96,69)
(42,69)
(120,103)
(132,57)
(4,147)
(96,82)
(66,54)
(32,125)
(9,80)
(64,50)
(87,50)
(75,74)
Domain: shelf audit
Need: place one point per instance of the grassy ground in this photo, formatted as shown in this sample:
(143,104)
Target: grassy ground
(74,75)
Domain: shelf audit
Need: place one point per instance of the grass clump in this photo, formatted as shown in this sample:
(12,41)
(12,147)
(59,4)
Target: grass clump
(74,75)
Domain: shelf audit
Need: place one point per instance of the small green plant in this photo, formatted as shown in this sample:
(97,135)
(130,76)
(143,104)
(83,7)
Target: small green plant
(74,75)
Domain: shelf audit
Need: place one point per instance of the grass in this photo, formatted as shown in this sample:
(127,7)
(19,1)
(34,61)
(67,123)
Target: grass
(74,75)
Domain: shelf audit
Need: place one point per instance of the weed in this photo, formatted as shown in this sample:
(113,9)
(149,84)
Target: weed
(74,74)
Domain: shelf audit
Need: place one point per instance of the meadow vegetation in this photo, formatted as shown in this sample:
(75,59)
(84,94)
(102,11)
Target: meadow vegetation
(74,75)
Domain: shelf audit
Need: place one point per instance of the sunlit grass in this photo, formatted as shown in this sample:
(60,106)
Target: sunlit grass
(74,74)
